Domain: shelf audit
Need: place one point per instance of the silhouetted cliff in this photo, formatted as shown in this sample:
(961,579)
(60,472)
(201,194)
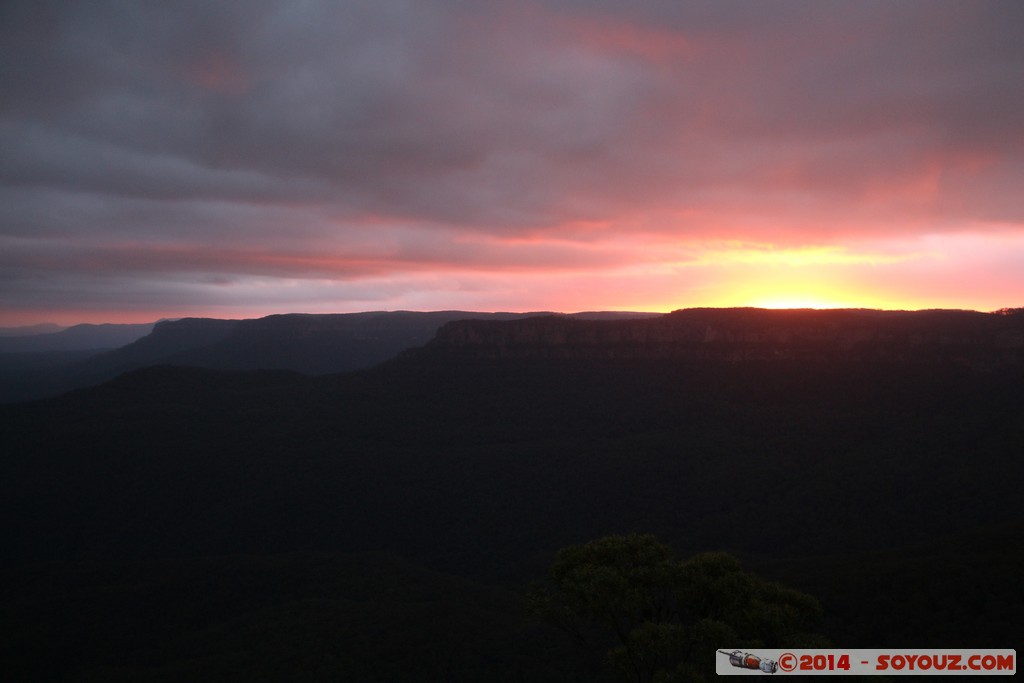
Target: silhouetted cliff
(310,344)
(977,339)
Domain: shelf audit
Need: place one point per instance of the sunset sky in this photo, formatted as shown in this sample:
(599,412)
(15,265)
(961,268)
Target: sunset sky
(239,158)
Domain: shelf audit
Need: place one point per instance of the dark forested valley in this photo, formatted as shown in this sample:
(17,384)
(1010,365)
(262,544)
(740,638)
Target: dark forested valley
(178,523)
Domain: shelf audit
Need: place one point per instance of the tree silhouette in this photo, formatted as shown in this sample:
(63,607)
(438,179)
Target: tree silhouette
(649,617)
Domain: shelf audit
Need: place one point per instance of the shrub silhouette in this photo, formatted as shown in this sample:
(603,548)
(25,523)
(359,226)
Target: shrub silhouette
(634,609)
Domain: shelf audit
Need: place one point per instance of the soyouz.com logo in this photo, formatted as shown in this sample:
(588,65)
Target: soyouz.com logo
(737,662)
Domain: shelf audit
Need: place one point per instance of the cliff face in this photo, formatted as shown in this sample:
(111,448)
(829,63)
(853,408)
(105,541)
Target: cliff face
(979,339)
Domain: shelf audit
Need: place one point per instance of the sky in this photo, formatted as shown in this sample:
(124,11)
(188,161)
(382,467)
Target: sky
(240,158)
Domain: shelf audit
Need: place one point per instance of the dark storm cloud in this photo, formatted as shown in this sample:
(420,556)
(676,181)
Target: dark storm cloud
(495,115)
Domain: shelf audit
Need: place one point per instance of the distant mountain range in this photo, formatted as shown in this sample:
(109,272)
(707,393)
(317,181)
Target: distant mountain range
(36,366)
(77,338)
(42,365)
(28,330)
(725,380)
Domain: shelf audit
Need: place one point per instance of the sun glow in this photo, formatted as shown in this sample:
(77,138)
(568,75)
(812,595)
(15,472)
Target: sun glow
(810,295)
(796,302)
(818,287)
(776,276)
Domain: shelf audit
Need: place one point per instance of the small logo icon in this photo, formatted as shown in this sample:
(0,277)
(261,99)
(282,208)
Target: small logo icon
(744,660)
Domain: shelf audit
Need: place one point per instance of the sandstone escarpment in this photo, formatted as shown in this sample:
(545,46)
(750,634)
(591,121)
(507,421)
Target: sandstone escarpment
(978,339)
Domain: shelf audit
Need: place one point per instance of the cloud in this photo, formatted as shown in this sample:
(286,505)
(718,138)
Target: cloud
(374,140)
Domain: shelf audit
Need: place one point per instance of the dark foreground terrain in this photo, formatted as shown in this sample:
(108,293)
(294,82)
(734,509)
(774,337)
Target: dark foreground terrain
(188,524)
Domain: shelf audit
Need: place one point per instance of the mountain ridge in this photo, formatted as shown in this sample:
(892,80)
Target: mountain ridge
(83,337)
(752,334)
(318,344)
(309,343)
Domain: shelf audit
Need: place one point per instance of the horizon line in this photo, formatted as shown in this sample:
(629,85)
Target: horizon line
(151,321)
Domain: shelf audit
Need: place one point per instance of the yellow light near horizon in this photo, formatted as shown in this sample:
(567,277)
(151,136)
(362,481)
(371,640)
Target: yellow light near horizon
(796,302)
(807,296)
(812,288)
(813,276)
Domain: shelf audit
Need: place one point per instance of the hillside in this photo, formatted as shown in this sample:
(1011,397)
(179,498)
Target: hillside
(310,344)
(76,338)
(874,479)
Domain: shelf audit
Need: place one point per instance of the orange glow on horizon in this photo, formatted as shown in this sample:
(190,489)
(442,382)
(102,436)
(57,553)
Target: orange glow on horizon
(598,271)
(817,288)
